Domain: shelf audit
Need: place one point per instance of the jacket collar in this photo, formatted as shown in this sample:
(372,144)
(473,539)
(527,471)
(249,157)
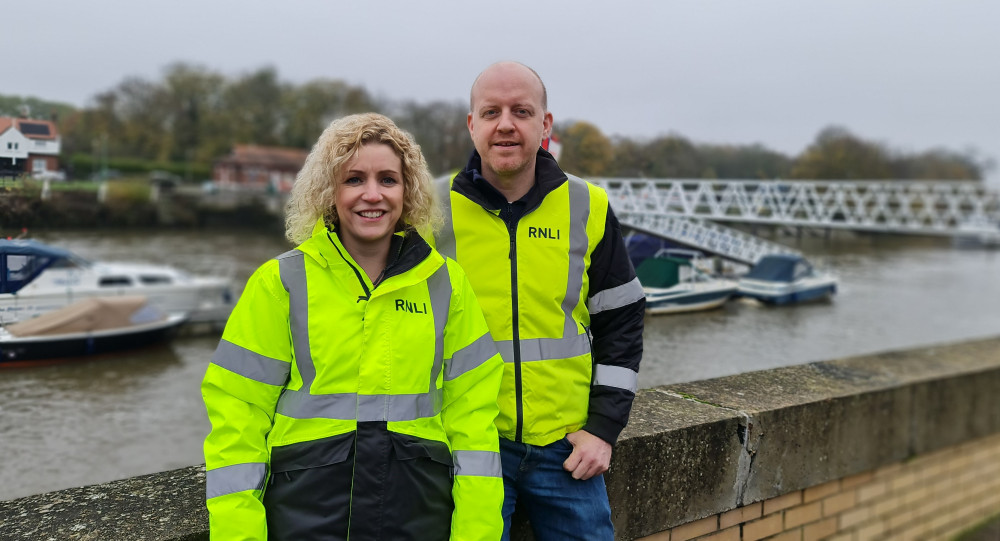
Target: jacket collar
(471,184)
(406,250)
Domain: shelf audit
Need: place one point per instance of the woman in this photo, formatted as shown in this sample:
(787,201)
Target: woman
(354,390)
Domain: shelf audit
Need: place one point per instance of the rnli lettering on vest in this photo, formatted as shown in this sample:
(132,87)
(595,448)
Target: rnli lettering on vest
(403,305)
(543,233)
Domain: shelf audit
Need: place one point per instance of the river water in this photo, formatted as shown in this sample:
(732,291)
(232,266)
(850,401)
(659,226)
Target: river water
(90,421)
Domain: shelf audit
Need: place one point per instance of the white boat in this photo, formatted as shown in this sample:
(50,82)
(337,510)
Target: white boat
(673,285)
(786,279)
(91,326)
(36,278)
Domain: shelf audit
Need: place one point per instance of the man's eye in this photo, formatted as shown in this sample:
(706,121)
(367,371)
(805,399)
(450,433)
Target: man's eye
(489,113)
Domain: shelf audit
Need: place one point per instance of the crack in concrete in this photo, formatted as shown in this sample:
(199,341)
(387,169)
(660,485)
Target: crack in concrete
(749,440)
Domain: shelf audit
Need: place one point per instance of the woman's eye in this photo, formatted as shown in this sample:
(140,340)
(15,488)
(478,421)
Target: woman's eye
(390,181)
(352,180)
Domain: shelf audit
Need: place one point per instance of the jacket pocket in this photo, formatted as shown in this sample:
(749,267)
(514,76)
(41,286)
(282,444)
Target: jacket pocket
(311,454)
(309,493)
(410,448)
(418,502)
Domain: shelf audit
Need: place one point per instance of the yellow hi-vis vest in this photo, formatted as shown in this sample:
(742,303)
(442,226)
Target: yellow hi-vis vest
(532,286)
(303,358)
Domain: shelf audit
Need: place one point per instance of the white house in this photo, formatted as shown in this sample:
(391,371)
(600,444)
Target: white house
(28,146)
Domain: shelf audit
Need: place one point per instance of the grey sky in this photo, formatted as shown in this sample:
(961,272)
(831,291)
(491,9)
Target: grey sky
(914,74)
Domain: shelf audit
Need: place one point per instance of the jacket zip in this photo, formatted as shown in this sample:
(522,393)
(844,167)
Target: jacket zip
(512,255)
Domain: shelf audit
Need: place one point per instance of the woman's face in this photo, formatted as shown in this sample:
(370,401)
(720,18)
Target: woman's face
(370,197)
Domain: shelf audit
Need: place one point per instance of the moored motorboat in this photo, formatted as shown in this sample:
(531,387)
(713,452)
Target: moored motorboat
(36,278)
(87,327)
(673,285)
(786,279)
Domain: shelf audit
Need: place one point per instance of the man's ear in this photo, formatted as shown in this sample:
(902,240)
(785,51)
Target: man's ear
(547,121)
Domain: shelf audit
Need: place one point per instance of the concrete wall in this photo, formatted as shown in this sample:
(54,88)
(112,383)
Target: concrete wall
(936,495)
(835,448)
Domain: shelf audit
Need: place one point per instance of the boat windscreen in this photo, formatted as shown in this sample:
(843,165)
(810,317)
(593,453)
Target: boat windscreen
(772,270)
(21,261)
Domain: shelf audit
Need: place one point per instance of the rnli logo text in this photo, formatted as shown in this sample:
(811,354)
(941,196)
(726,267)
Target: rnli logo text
(543,233)
(411,307)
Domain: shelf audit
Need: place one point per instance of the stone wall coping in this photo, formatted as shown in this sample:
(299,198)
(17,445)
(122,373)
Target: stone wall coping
(691,450)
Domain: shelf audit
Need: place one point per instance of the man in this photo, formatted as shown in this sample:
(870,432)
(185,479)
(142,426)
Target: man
(546,260)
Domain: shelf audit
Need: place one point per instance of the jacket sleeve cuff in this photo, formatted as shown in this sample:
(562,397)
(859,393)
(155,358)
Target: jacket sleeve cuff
(603,428)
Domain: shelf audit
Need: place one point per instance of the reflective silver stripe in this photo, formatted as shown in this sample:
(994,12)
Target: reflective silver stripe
(300,404)
(248,364)
(292,268)
(478,463)
(616,297)
(572,343)
(350,406)
(234,478)
(617,376)
(470,357)
(439,289)
(579,212)
(445,238)
(543,349)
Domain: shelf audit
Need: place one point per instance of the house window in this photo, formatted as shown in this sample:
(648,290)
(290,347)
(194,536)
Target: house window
(38,166)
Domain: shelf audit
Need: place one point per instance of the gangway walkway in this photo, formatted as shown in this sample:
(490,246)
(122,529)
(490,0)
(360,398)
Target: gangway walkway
(682,210)
(725,242)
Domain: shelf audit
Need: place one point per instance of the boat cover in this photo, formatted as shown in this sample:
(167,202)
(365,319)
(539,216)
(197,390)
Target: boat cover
(776,268)
(21,261)
(660,271)
(87,315)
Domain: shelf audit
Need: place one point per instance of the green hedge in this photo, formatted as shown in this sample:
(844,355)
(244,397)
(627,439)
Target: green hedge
(83,166)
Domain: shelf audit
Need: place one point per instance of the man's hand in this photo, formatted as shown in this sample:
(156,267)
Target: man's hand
(591,455)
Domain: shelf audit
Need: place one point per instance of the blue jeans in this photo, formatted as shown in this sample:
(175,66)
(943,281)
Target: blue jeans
(558,506)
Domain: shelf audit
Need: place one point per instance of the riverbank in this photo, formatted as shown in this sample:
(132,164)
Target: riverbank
(136,204)
(903,444)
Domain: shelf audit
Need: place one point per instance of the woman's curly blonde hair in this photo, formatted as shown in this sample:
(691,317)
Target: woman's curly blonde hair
(314,195)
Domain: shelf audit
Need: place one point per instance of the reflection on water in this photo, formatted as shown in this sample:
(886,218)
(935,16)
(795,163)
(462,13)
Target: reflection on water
(140,412)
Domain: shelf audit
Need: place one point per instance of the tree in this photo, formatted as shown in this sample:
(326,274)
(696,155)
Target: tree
(938,164)
(744,162)
(440,129)
(838,155)
(585,150)
(308,109)
(251,106)
(674,157)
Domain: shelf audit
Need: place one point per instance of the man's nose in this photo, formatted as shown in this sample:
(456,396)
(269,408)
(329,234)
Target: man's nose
(506,121)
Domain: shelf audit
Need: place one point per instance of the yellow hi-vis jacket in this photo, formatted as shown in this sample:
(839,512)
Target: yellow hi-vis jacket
(560,296)
(351,409)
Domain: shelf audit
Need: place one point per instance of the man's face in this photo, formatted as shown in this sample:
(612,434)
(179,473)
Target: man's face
(508,122)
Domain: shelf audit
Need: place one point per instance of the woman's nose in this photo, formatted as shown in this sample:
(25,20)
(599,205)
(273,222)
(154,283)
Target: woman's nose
(372,192)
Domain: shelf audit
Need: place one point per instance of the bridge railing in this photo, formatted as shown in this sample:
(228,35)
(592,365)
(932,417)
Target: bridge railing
(937,208)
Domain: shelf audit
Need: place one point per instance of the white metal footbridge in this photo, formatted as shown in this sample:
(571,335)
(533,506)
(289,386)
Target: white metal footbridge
(689,211)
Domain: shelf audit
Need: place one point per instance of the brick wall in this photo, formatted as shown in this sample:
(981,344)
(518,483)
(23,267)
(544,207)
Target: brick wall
(933,496)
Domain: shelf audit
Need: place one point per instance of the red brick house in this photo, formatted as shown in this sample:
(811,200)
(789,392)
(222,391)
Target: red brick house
(29,146)
(260,167)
